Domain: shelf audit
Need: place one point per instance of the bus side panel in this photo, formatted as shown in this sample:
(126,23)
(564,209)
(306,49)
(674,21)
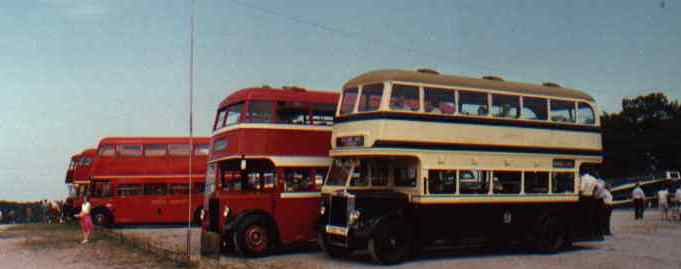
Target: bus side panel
(493,222)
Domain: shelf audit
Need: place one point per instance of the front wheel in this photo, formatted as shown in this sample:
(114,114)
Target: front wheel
(550,235)
(390,242)
(252,237)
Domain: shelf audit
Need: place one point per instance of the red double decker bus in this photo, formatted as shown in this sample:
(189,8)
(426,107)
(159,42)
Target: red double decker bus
(269,155)
(78,180)
(144,180)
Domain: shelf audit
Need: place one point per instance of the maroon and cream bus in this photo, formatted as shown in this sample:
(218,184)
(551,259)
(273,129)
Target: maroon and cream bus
(145,180)
(268,157)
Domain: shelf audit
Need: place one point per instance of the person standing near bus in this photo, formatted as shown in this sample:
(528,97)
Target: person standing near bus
(677,207)
(603,194)
(638,197)
(86,225)
(663,203)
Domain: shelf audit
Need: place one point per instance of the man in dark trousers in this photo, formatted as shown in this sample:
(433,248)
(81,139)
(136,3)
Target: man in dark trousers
(639,199)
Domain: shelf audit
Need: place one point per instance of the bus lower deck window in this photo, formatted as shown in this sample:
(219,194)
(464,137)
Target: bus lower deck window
(563,182)
(441,181)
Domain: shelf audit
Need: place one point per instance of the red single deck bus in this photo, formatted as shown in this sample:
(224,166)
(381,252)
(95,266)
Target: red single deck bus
(78,180)
(269,155)
(144,180)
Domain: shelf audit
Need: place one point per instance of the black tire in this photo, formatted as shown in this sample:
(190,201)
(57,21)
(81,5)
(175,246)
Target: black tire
(102,218)
(550,235)
(390,242)
(331,250)
(253,237)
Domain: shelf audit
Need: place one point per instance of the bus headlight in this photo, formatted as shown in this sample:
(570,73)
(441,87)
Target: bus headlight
(354,216)
(322,210)
(203,213)
(226,212)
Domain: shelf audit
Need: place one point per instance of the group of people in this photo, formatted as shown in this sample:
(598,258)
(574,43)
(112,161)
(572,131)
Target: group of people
(666,202)
(10,216)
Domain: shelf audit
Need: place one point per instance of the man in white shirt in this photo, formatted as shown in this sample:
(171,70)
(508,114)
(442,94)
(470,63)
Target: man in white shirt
(639,198)
(662,203)
(603,195)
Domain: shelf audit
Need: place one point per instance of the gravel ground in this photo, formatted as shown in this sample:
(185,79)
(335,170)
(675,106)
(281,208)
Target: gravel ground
(651,243)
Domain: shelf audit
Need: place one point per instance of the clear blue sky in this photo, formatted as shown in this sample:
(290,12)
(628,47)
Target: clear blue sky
(73,71)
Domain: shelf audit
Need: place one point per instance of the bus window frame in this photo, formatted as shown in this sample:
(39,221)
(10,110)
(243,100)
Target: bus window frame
(355,102)
(246,112)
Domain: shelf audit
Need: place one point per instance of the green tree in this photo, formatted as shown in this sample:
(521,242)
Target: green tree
(644,138)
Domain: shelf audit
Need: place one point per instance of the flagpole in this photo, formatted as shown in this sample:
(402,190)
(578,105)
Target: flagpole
(191,128)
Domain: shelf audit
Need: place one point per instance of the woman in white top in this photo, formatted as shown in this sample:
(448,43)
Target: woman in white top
(86,225)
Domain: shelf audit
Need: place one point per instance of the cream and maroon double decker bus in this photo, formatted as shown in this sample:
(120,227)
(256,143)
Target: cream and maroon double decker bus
(268,158)
(78,180)
(421,158)
(145,180)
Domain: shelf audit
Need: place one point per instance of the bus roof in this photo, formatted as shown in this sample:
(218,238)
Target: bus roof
(89,152)
(378,76)
(153,140)
(290,94)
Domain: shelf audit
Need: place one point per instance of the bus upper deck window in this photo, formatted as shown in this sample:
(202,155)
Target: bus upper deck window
(179,150)
(259,112)
(293,113)
(585,114)
(130,150)
(562,111)
(404,98)
(439,101)
(220,119)
(348,101)
(233,113)
(370,99)
(473,103)
(201,150)
(323,114)
(154,150)
(107,150)
(85,161)
(505,106)
(535,108)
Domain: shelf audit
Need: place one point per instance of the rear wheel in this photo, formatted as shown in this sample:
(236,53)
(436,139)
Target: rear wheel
(102,218)
(252,237)
(550,235)
(331,250)
(390,242)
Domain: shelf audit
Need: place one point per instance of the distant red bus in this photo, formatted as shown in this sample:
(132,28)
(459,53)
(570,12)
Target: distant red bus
(144,180)
(268,157)
(78,179)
